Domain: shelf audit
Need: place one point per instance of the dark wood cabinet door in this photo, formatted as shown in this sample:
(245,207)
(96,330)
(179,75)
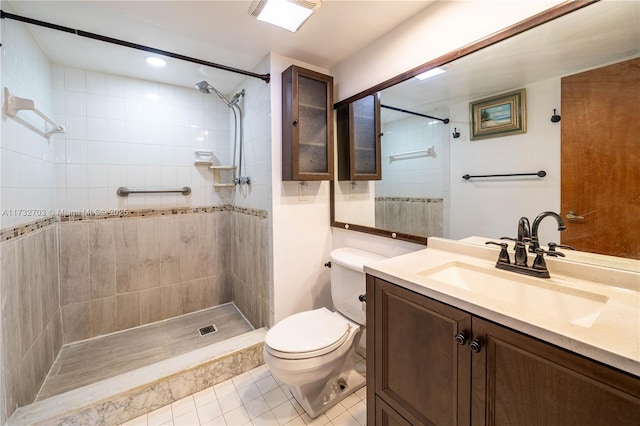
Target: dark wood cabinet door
(358,133)
(387,416)
(307,125)
(420,370)
(518,380)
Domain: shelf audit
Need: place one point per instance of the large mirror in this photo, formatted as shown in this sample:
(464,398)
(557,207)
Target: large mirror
(427,144)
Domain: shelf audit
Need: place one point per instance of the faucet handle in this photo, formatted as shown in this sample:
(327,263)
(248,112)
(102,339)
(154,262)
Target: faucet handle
(503,257)
(510,239)
(554,246)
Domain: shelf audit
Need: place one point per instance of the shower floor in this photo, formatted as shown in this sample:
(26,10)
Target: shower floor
(93,360)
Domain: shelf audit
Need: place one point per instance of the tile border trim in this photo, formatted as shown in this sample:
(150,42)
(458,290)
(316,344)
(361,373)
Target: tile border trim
(10,233)
(410,199)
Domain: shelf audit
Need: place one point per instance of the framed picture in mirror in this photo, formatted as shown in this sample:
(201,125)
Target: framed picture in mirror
(500,115)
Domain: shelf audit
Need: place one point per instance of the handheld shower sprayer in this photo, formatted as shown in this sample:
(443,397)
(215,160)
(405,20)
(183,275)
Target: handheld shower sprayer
(238,139)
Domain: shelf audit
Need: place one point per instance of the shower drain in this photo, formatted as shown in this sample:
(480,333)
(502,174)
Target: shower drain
(208,329)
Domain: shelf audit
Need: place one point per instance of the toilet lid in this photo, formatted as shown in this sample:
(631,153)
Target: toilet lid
(318,331)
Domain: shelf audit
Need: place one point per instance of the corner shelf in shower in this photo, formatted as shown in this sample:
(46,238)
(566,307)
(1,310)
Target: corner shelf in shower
(217,180)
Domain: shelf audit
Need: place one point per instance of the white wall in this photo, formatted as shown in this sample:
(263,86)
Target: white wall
(301,233)
(28,168)
(492,207)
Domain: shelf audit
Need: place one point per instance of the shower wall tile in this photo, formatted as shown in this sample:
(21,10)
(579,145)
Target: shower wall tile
(150,305)
(29,309)
(27,172)
(172,300)
(102,263)
(189,248)
(249,267)
(74,263)
(76,321)
(137,270)
(148,253)
(128,310)
(169,238)
(103,316)
(145,129)
(127,255)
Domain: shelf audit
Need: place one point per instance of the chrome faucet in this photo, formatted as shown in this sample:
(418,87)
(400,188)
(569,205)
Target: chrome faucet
(535,243)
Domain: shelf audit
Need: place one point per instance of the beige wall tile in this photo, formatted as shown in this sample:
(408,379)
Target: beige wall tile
(194,300)
(149,252)
(103,316)
(171,300)
(25,280)
(76,322)
(208,251)
(189,247)
(127,255)
(102,262)
(150,305)
(74,262)
(11,321)
(169,238)
(27,385)
(128,310)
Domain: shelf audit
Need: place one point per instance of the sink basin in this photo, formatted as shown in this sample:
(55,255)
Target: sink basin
(525,293)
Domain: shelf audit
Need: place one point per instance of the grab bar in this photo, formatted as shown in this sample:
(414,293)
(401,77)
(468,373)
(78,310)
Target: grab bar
(541,174)
(13,104)
(124,192)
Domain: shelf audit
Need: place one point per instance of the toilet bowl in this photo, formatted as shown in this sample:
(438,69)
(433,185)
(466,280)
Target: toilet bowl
(313,351)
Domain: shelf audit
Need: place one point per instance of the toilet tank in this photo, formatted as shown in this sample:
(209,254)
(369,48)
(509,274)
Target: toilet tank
(348,281)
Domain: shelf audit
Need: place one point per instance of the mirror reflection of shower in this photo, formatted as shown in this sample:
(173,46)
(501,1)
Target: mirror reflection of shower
(238,139)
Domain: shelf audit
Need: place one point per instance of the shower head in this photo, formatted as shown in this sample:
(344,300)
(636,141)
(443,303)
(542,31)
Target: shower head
(208,89)
(204,87)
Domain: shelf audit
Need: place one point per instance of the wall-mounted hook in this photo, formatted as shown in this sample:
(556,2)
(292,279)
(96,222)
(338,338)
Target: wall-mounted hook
(456,133)
(555,117)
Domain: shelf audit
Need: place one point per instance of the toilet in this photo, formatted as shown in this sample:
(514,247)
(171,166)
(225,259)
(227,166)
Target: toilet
(312,351)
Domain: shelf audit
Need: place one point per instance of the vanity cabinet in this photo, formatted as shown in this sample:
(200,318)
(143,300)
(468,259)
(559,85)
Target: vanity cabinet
(434,364)
(358,133)
(307,125)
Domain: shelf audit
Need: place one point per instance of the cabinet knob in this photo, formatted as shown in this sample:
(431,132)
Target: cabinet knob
(461,339)
(475,345)
(295,122)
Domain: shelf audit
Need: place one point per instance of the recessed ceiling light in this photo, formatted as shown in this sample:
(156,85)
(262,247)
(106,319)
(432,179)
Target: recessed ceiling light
(288,14)
(431,73)
(154,61)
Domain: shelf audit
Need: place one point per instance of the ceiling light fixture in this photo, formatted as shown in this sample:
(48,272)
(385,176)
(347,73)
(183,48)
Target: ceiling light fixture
(288,14)
(154,61)
(431,73)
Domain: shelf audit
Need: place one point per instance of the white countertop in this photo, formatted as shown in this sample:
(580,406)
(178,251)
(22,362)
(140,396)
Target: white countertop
(613,338)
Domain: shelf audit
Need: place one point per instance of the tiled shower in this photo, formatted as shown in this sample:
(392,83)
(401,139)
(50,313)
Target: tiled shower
(77,260)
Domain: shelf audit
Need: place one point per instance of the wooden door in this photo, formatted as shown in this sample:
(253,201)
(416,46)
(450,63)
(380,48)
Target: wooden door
(601,159)
(518,380)
(420,370)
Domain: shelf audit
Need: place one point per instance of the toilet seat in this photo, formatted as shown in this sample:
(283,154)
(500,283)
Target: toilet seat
(307,334)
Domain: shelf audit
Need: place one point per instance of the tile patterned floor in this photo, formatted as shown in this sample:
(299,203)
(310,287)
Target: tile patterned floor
(252,398)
